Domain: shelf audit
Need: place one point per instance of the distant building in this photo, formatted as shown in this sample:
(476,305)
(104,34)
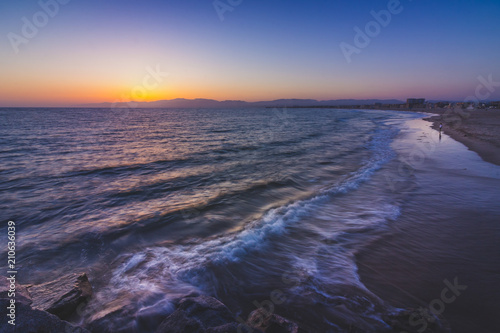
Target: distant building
(442,104)
(415,103)
(465,105)
(495,105)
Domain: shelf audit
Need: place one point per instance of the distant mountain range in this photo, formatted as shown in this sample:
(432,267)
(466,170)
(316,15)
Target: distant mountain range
(210,103)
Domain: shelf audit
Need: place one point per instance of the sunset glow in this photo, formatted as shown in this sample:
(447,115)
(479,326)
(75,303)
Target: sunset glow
(93,52)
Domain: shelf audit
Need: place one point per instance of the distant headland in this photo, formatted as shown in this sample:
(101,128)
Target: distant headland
(410,103)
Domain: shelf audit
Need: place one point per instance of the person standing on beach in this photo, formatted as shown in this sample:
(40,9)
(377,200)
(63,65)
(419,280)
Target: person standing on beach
(440,127)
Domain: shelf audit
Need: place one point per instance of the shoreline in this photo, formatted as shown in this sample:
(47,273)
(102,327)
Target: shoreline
(444,236)
(476,129)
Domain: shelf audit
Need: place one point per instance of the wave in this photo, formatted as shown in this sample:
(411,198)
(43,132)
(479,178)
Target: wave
(184,262)
(120,169)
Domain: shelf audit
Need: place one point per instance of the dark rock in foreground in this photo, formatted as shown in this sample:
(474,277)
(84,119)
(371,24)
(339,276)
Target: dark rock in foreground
(416,321)
(271,323)
(196,313)
(62,296)
(114,318)
(199,314)
(29,320)
(22,295)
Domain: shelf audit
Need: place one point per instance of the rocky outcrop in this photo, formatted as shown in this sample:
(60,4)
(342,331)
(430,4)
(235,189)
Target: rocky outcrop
(113,318)
(271,323)
(194,313)
(205,314)
(21,292)
(416,321)
(199,314)
(29,320)
(30,311)
(63,296)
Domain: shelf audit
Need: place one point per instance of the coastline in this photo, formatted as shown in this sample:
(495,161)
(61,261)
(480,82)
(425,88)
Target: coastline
(446,235)
(476,129)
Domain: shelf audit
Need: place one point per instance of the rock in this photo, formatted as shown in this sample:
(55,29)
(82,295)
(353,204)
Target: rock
(271,323)
(148,319)
(112,319)
(21,293)
(179,321)
(199,314)
(227,328)
(29,320)
(120,316)
(416,321)
(62,296)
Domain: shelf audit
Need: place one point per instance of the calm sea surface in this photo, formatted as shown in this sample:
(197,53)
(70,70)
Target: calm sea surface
(158,204)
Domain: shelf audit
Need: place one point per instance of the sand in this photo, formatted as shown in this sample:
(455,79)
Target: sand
(448,230)
(479,130)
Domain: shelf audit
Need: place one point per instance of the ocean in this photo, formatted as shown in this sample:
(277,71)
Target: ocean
(245,205)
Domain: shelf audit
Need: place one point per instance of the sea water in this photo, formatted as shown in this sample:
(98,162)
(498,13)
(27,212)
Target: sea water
(242,204)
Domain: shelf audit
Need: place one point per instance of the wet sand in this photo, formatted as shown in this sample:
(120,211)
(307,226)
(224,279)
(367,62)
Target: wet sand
(479,130)
(448,230)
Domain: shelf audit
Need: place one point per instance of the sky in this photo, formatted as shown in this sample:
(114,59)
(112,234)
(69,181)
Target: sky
(69,52)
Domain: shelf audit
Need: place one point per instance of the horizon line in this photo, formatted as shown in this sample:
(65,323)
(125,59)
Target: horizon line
(312,100)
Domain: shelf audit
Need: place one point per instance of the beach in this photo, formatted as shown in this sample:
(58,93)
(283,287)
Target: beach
(447,234)
(477,129)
